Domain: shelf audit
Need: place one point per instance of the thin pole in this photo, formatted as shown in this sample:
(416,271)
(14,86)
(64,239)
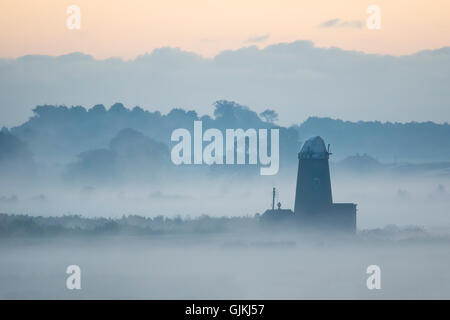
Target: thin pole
(273,199)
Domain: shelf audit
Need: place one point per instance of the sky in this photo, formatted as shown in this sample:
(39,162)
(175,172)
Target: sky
(126,29)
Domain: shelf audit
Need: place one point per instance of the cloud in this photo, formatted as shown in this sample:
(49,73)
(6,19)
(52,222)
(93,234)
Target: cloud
(330,23)
(257,38)
(357,24)
(298,78)
(338,23)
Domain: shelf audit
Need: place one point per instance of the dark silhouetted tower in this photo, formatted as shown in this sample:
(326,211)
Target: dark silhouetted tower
(314,207)
(313,192)
(313,200)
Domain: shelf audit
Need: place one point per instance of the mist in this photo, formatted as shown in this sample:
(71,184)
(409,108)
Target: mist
(404,200)
(96,188)
(233,266)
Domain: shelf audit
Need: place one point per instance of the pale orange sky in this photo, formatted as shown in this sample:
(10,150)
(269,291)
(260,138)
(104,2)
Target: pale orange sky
(127,28)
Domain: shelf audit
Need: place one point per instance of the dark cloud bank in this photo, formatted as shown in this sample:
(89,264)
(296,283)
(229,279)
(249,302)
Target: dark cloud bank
(298,79)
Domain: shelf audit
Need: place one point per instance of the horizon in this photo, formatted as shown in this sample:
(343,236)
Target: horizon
(217,54)
(200,115)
